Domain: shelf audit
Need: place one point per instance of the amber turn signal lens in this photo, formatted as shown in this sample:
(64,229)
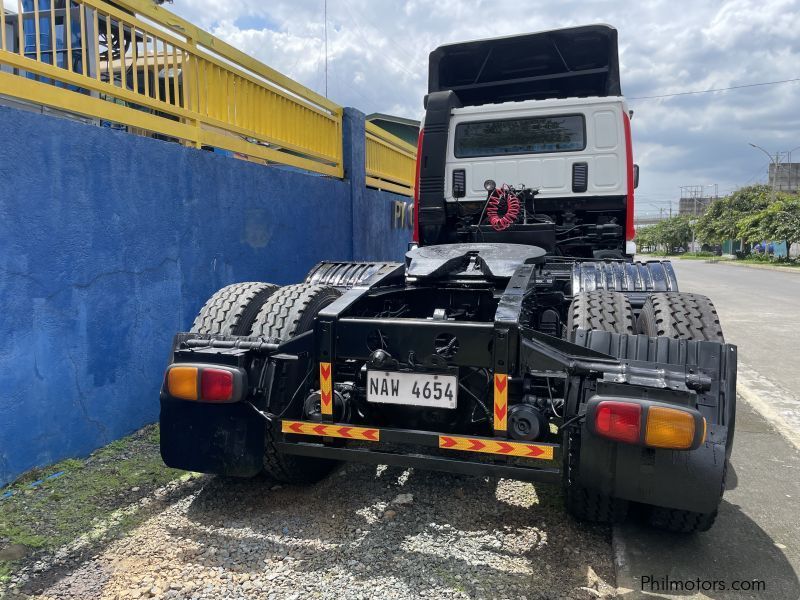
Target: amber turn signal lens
(182,382)
(669,428)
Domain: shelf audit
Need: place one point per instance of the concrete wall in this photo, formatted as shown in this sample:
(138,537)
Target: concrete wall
(110,243)
(788,179)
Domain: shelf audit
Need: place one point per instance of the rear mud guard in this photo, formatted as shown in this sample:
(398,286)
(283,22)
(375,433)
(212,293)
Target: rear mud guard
(686,480)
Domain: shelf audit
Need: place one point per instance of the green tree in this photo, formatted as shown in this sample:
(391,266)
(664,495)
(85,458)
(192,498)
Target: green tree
(675,232)
(667,235)
(645,238)
(720,222)
(778,221)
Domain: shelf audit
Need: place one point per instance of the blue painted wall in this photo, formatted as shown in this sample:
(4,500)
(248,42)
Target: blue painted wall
(110,243)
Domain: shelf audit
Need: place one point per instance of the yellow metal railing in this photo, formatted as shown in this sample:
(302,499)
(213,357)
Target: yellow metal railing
(391,162)
(137,64)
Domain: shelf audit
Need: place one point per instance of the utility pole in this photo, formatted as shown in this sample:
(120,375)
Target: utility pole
(325,18)
(776,162)
(696,194)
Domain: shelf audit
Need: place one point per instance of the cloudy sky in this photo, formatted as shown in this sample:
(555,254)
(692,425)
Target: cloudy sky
(377,62)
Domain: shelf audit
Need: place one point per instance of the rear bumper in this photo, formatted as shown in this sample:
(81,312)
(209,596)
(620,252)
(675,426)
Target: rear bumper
(229,440)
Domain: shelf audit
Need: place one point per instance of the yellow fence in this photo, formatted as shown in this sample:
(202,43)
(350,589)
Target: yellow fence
(137,64)
(391,162)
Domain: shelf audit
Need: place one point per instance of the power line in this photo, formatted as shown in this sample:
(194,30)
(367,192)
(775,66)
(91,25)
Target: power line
(725,89)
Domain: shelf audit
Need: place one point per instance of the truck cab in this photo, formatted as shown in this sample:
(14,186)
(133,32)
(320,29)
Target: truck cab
(542,120)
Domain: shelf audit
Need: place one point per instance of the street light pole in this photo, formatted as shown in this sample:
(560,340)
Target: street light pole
(775,161)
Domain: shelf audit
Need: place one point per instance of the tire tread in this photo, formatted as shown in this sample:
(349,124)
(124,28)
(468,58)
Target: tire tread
(600,310)
(231,310)
(680,315)
(282,316)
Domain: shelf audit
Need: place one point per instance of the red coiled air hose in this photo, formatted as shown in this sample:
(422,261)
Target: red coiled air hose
(504,221)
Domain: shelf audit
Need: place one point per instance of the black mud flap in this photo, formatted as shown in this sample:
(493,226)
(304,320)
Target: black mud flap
(685,480)
(223,439)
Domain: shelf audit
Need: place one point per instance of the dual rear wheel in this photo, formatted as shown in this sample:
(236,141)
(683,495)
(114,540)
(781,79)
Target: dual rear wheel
(671,314)
(255,309)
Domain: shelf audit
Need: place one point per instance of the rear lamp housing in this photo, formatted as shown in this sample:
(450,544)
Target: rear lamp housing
(205,383)
(646,423)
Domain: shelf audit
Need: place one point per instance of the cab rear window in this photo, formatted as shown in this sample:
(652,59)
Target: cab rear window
(529,135)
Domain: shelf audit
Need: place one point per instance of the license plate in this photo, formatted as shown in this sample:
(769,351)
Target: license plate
(412,389)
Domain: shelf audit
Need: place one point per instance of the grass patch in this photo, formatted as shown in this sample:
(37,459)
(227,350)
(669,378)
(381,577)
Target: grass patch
(775,262)
(51,507)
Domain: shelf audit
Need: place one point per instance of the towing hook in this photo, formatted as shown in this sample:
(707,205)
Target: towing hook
(698,382)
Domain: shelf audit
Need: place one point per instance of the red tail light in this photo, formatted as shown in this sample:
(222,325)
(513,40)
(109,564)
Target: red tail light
(620,421)
(630,230)
(216,385)
(416,186)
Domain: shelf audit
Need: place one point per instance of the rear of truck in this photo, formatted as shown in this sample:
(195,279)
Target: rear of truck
(518,339)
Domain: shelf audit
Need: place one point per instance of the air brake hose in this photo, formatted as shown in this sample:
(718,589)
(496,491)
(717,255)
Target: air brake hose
(512,206)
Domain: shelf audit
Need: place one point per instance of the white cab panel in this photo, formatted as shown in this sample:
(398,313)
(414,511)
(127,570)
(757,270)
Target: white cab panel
(551,172)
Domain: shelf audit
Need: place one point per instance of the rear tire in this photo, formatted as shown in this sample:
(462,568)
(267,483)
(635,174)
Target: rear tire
(232,310)
(685,317)
(602,311)
(290,311)
(680,316)
(681,521)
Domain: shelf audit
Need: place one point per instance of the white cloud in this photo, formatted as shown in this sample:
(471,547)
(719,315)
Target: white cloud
(377,61)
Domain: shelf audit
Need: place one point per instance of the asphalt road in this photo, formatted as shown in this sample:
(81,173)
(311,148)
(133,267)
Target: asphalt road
(757,534)
(760,312)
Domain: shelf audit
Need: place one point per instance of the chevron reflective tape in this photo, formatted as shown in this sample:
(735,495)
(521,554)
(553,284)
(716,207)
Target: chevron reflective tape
(494,447)
(338,431)
(500,402)
(326,387)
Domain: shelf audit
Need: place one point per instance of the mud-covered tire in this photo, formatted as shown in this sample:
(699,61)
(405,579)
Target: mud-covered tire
(680,315)
(288,312)
(232,310)
(602,311)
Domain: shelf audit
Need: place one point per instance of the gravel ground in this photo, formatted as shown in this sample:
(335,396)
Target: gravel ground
(365,532)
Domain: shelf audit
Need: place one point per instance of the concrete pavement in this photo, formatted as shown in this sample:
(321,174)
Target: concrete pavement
(757,535)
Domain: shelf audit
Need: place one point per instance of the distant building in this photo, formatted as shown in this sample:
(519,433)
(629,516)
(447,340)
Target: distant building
(406,129)
(694,206)
(788,178)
